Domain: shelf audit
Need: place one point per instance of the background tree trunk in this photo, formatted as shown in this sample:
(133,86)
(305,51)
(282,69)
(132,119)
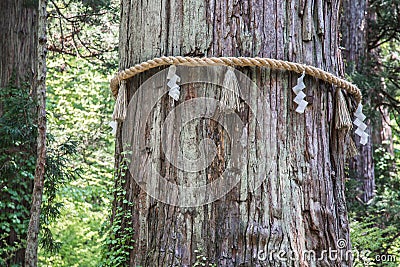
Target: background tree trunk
(354,42)
(301,204)
(19,41)
(31,255)
(366,61)
(354,34)
(18,50)
(382,131)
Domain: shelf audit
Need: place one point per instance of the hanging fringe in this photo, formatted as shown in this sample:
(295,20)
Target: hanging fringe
(113,125)
(342,117)
(352,150)
(361,126)
(119,113)
(300,95)
(230,92)
(174,90)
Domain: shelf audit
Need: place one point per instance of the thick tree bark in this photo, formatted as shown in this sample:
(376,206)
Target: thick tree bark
(18,56)
(354,34)
(18,41)
(37,194)
(300,206)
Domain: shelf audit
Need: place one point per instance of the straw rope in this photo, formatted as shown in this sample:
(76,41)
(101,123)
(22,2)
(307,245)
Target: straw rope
(273,64)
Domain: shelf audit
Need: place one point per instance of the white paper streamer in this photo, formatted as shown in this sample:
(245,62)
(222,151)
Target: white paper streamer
(300,95)
(230,100)
(113,125)
(361,126)
(174,90)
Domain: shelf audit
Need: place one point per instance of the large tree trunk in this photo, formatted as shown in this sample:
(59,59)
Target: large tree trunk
(300,206)
(18,56)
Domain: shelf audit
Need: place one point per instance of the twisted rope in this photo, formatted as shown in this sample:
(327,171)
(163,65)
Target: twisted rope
(273,64)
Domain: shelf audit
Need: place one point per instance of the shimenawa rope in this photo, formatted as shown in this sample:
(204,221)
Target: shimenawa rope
(343,119)
(273,64)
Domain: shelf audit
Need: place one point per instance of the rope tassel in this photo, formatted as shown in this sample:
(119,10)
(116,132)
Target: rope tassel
(119,113)
(352,150)
(230,92)
(342,116)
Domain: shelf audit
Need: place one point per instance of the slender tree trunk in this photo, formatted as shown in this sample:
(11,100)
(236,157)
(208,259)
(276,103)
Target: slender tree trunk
(18,57)
(383,134)
(18,41)
(300,207)
(354,42)
(382,131)
(355,32)
(34,223)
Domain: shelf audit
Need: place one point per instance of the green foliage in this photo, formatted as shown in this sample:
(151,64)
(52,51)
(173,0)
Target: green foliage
(375,226)
(58,173)
(373,246)
(17,121)
(391,77)
(85,29)
(384,22)
(77,231)
(96,5)
(79,108)
(82,38)
(17,165)
(119,236)
(17,161)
